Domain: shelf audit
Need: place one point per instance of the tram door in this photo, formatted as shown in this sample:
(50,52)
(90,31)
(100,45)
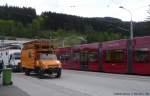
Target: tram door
(84,61)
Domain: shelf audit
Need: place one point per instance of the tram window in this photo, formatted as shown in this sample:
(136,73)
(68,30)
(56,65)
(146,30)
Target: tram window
(76,56)
(83,57)
(92,57)
(117,57)
(114,56)
(65,57)
(141,56)
(108,56)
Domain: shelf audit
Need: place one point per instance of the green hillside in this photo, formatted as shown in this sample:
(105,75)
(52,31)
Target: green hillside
(69,29)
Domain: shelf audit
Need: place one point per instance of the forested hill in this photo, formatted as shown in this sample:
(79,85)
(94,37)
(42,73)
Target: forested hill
(24,15)
(81,24)
(23,22)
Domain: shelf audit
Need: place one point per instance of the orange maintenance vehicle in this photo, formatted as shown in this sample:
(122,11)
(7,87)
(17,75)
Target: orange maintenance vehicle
(39,56)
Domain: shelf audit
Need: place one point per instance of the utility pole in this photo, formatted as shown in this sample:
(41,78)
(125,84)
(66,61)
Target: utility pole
(130,43)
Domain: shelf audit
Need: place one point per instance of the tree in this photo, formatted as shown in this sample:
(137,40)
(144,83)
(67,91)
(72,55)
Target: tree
(148,11)
(23,15)
(102,36)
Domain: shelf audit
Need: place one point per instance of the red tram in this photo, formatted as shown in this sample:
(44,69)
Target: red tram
(114,55)
(75,58)
(141,55)
(111,56)
(89,57)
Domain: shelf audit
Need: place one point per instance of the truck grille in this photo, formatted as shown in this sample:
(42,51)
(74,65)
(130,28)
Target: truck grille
(53,66)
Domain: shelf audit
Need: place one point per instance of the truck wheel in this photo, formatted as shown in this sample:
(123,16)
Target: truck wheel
(27,72)
(40,74)
(58,73)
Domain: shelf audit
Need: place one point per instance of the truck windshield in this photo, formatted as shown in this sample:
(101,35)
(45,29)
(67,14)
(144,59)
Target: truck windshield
(48,57)
(16,56)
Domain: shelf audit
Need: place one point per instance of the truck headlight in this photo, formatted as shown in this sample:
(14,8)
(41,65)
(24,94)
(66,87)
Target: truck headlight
(58,61)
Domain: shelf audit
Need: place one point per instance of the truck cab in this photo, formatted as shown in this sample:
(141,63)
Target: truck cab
(48,60)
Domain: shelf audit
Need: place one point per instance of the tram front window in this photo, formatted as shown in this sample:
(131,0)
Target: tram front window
(76,56)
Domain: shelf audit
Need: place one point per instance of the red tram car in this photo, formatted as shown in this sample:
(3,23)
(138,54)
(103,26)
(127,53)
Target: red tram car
(75,58)
(114,55)
(141,55)
(89,57)
(111,56)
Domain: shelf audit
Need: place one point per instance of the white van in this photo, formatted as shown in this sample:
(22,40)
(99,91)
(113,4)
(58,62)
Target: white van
(11,58)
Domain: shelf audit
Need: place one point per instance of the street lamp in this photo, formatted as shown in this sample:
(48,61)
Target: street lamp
(130,44)
(131,22)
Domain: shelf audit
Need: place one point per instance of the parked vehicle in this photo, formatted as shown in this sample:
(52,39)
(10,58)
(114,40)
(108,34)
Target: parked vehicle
(39,56)
(117,56)
(11,57)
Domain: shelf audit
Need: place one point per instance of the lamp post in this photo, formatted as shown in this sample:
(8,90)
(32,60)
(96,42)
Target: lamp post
(131,22)
(130,43)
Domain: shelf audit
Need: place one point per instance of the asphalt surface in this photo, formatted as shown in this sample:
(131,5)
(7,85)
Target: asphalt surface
(80,83)
(11,90)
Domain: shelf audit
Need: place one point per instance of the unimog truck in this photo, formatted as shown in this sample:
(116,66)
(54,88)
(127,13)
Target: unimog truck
(39,56)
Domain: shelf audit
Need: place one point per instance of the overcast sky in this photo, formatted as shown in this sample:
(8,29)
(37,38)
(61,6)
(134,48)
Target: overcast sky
(88,8)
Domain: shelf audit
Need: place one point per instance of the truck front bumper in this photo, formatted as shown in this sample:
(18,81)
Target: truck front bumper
(52,70)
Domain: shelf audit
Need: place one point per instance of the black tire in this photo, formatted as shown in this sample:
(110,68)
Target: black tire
(40,73)
(58,73)
(27,72)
